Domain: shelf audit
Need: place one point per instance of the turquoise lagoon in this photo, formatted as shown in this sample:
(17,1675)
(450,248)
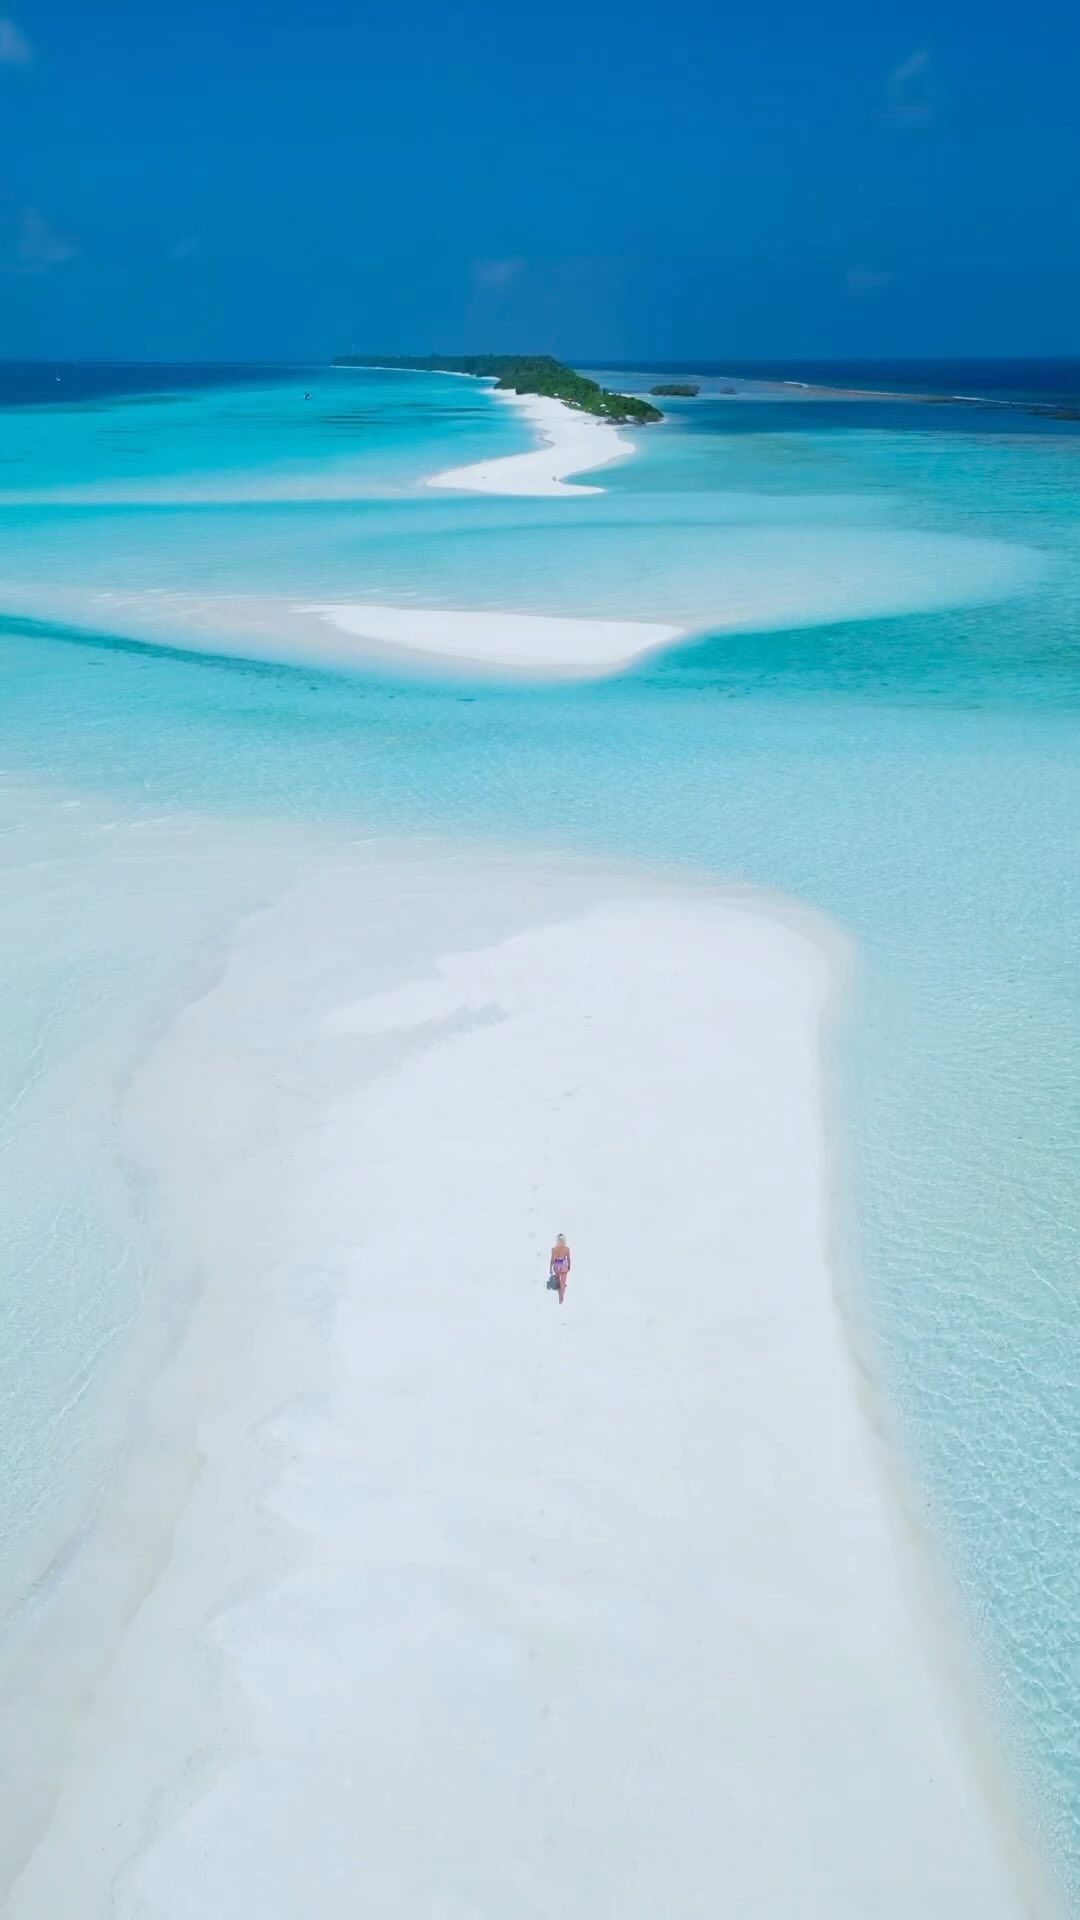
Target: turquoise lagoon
(891,733)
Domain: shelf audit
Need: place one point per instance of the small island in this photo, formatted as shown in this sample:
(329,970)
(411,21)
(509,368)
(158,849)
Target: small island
(516,373)
(679,390)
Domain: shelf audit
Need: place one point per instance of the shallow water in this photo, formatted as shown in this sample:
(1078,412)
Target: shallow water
(905,758)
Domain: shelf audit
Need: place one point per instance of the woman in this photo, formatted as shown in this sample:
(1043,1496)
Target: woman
(560,1265)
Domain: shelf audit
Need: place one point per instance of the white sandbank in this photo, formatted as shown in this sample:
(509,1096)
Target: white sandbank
(354,633)
(551,643)
(459,1604)
(572,443)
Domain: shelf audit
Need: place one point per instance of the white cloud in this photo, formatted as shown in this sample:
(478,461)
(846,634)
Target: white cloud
(916,62)
(29,245)
(15,48)
(494,274)
(864,280)
(909,91)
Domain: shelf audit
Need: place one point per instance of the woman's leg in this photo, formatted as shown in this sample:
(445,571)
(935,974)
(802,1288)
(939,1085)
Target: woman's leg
(562,1285)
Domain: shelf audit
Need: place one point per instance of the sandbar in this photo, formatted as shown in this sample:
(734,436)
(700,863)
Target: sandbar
(469,1604)
(572,442)
(554,643)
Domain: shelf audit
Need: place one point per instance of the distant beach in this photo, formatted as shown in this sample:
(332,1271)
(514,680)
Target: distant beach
(572,443)
(744,585)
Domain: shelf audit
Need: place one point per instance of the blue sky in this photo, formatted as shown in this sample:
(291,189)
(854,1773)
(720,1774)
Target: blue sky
(603,181)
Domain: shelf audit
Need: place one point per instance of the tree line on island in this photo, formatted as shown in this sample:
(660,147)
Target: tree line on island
(516,373)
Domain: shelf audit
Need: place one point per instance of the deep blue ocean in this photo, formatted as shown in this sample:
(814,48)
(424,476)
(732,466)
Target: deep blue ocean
(879,713)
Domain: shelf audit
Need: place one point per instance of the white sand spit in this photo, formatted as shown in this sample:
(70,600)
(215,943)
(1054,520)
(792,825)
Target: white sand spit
(546,642)
(476,1607)
(572,443)
(351,633)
